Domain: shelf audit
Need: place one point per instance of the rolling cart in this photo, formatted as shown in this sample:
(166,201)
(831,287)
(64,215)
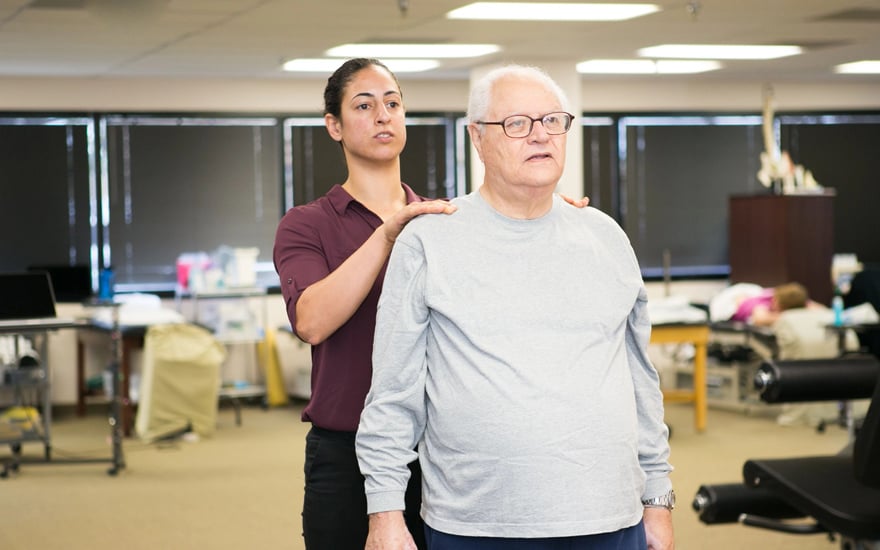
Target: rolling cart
(29,424)
(29,417)
(10,435)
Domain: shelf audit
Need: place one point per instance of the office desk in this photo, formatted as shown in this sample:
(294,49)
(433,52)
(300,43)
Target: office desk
(131,338)
(698,335)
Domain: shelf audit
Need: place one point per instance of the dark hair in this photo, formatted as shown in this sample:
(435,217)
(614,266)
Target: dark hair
(338,82)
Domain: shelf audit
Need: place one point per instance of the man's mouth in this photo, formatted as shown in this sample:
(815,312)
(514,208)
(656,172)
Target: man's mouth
(540,156)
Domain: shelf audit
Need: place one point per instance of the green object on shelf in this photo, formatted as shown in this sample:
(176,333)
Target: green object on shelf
(95,383)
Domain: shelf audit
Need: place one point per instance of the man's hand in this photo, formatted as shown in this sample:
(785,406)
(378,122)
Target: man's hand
(395,224)
(388,532)
(578,203)
(658,528)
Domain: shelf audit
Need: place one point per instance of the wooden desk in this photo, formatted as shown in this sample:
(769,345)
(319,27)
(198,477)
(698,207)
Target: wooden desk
(132,339)
(698,335)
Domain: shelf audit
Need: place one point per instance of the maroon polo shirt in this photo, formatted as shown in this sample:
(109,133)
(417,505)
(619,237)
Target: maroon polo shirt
(312,240)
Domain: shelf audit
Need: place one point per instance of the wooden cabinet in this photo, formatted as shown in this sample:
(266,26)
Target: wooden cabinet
(775,239)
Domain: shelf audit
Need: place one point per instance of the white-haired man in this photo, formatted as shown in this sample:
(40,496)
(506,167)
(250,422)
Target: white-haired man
(510,346)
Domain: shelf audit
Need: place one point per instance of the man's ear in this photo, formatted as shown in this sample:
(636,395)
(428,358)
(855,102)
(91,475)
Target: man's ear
(334,127)
(476,138)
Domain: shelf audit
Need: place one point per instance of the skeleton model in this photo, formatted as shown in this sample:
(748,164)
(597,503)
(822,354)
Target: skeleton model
(777,168)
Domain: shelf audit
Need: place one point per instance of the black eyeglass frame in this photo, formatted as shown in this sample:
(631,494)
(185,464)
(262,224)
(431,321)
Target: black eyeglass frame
(532,122)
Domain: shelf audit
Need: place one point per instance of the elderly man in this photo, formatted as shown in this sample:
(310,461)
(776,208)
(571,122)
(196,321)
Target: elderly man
(510,346)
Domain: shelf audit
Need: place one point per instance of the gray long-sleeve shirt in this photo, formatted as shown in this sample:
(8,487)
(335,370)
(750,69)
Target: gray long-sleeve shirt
(513,352)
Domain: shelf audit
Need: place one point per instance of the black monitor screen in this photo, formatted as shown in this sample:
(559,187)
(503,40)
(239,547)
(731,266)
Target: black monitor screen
(26,296)
(70,283)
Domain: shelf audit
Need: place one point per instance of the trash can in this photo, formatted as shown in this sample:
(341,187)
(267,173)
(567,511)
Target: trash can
(180,381)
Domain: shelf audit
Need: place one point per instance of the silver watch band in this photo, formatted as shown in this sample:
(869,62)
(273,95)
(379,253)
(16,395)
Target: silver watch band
(663,501)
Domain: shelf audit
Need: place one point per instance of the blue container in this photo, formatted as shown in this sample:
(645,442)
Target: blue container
(837,307)
(106,281)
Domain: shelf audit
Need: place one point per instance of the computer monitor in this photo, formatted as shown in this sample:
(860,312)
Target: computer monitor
(71,283)
(26,296)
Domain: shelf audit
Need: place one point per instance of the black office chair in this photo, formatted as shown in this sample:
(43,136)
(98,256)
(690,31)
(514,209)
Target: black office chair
(840,494)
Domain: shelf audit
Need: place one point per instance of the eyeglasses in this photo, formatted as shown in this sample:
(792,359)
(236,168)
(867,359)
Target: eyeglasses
(519,126)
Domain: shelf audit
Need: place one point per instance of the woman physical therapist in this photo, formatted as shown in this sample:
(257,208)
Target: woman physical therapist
(330,255)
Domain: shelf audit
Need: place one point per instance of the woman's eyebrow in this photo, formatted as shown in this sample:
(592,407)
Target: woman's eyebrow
(370,94)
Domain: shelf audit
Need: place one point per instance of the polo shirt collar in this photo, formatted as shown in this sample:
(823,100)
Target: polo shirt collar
(340,198)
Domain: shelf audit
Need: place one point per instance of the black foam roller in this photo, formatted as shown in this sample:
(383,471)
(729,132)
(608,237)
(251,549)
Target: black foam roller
(724,503)
(838,379)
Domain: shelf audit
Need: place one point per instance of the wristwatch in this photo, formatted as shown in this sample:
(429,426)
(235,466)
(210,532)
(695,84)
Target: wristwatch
(663,501)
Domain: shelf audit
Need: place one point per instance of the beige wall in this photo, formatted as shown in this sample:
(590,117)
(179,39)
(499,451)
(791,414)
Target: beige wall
(305,96)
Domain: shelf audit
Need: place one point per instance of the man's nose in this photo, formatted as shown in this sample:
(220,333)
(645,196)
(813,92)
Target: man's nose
(538,132)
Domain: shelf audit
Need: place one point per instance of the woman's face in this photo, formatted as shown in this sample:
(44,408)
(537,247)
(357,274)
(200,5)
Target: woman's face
(371,125)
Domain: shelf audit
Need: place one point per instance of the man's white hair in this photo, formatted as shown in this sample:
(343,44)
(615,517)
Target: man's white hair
(481,92)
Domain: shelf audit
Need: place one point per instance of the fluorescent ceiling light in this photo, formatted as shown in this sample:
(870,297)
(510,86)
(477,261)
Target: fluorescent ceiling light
(868,66)
(647,66)
(719,51)
(326,65)
(551,11)
(617,66)
(384,51)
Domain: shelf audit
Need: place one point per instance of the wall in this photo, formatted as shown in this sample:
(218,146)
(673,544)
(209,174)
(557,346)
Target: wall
(672,95)
(305,96)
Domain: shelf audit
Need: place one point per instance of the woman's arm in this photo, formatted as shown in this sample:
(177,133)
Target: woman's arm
(326,305)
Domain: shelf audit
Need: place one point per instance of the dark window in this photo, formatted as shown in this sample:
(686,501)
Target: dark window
(314,162)
(600,164)
(425,164)
(137,191)
(46,189)
(842,153)
(463,151)
(676,176)
(180,185)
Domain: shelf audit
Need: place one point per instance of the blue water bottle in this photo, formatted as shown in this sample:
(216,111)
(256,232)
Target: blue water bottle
(106,281)
(837,307)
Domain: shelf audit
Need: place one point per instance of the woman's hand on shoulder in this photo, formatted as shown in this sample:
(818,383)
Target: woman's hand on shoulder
(581,203)
(395,224)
